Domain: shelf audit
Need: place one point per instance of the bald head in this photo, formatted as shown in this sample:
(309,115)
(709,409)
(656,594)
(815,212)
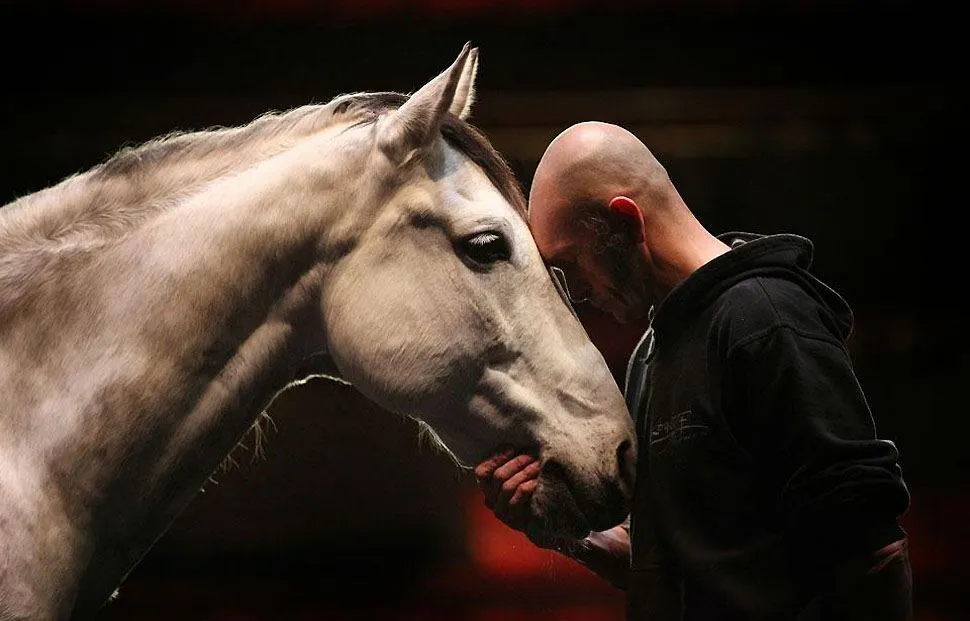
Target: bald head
(603,210)
(590,163)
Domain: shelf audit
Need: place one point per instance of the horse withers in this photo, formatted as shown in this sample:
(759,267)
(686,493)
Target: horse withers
(152,307)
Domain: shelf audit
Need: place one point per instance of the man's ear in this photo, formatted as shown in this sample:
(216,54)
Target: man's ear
(627,208)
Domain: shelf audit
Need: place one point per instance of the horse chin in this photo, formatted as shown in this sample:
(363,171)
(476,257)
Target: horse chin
(557,514)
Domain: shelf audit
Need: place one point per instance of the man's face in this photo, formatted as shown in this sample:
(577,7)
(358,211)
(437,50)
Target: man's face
(606,275)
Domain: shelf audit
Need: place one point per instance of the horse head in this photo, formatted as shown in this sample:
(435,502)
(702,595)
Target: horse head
(441,309)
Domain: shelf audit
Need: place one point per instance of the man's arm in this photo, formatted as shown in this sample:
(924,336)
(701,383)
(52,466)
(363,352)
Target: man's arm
(508,481)
(842,491)
(607,553)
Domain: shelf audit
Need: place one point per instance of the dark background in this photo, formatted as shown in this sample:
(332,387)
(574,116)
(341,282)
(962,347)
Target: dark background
(843,122)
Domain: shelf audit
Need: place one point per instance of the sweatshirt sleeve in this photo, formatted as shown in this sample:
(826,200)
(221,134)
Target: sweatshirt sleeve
(805,417)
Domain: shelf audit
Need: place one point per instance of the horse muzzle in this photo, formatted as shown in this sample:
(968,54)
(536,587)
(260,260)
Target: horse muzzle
(571,500)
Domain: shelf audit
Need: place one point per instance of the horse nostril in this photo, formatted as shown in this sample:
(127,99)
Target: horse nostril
(626,460)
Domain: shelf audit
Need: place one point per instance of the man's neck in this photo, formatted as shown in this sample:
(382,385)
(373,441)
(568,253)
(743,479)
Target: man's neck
(677,252)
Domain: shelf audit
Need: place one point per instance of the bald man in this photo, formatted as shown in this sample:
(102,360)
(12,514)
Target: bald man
(763,491)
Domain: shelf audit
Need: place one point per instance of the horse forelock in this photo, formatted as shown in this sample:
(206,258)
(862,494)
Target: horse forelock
(470,141)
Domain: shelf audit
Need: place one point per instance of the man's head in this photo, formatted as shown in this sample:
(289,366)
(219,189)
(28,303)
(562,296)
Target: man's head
(595,196)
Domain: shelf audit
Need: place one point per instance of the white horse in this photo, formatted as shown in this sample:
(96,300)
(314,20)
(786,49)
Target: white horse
(152,307)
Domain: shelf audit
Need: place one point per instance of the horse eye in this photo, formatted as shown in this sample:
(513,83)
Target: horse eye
(487,247)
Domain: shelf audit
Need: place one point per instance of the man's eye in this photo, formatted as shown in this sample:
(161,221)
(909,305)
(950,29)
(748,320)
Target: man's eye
(487,247)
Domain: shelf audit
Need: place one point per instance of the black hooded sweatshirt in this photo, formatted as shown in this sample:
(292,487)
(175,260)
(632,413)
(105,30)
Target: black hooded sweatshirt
(760,468)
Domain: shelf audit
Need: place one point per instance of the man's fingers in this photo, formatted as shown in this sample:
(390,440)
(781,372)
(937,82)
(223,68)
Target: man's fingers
(522,493)
(516,514)
(485,470)
(499,476)
(512,484)
(519,487)
(508,469)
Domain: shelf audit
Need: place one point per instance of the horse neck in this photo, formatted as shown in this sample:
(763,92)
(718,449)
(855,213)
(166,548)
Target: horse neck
(167,363)
(41,232)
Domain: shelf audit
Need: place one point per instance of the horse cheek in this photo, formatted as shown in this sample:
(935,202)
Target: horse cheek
(382,343)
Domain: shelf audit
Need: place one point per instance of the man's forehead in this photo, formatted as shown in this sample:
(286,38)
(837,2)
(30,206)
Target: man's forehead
(555,239)
(553,217)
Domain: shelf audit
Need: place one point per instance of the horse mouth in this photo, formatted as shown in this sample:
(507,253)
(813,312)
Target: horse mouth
(561,509)
(557,513)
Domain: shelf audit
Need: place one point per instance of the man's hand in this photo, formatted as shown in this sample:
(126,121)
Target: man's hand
(508,481)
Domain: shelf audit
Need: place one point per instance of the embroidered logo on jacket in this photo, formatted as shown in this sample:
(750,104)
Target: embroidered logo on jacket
(676,429)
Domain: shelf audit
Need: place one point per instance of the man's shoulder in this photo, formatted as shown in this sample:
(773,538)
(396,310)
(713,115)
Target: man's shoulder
(757,298)
(759,304)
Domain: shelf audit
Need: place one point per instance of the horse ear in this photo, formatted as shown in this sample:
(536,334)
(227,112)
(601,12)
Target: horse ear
(461,104)
(414,125)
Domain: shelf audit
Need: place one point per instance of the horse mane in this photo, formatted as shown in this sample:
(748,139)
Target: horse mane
(134,160)
(460,134)
(90,209)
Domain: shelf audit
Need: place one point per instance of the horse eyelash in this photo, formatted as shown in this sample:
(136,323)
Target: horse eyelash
(484,239)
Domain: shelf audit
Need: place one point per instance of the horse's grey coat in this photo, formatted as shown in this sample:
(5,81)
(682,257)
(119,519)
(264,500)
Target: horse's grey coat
(152,307)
